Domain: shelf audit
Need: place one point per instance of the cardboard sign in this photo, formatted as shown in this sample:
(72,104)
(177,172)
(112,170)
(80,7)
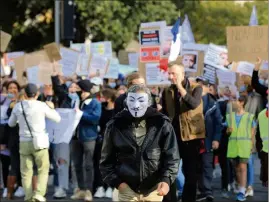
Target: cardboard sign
(246,43)
(53,52)
(5,39)
(34,58)
(149,37)
(20,68)
(150,54)
(123,57)
(9,57)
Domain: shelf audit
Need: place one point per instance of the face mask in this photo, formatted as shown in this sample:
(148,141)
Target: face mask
(10,95)
(68,83)
(73,96)
(243,88)
(95,89)
(112,85)
(137,104)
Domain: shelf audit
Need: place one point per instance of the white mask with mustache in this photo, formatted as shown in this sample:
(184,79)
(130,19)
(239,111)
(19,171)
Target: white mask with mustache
(137,104)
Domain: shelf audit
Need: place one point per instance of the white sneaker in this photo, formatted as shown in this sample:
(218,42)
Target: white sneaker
(4,193)
(100,193)
(60,193)
(249,192)
(109,192)
(88,196)
(19,193)
(39,198)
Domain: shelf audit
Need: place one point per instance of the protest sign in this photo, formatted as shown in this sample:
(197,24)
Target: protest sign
(34,58)
(32,75)
(168,38)
(246,43)
(264,65)
(63,132)
(103,48)
(83,65)
(80,47)
(190,61)
(216,56)
(98,66)
(5,39)
(69,61)
(195,46)
(123,57)
(226,77)
(53,52)
(245,68)
(149,36)
(209,73)
(20,68)
(45,72)
(150,54)
(155,76)
(113,71)
(133,59)
(9,57)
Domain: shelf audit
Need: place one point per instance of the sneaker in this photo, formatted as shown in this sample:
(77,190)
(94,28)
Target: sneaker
(59,194)
(201,197)
(4,193)
(109,192)
(88,196)
(78,194)
(39,198)
(240,197)
(19,192)
(225,194)
(249,192)
(209,197)
(100,193)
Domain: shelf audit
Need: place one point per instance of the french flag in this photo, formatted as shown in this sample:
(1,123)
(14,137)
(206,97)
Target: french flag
(176,43)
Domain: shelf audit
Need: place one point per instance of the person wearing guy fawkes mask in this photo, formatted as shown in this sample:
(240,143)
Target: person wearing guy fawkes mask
(140,153)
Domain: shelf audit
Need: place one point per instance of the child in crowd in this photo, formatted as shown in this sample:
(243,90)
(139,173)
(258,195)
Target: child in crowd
(241,127)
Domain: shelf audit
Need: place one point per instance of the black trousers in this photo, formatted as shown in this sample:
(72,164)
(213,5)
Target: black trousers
(189,152)
(5,160)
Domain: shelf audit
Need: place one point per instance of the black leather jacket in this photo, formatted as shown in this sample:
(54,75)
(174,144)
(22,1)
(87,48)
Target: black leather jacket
(141,167)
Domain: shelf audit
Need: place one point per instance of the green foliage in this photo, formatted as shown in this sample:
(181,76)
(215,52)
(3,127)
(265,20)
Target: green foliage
(118,21)
(31,21)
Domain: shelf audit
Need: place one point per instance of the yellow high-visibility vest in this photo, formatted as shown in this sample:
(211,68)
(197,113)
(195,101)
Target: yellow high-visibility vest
(240,141)
(263,127)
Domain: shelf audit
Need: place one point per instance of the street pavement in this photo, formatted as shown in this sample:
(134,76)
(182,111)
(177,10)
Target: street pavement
(260,193)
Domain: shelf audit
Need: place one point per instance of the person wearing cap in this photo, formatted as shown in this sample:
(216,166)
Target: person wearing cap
(213,125)
(83,144)
(140,153)
(182,103)
(35,112)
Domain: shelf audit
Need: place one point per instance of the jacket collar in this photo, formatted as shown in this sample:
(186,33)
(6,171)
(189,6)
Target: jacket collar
(87,101)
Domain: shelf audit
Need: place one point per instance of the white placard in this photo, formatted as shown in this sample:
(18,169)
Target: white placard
(80,47)
(155,76)
(216,56)
(210,73)
(245,68)
(113,71)
(226,77)
(62,132)
(98,66)
(69,61)
(195,46)
(32,75)
(83,65)
(103,48)
(264,65)
(133,59)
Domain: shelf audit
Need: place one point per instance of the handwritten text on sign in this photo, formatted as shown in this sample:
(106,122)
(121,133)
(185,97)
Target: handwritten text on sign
(246,43)
(150,54)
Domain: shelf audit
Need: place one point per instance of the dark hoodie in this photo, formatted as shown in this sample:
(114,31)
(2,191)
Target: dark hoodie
(141,167)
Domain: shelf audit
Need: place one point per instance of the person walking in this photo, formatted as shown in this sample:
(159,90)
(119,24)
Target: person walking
(34,141)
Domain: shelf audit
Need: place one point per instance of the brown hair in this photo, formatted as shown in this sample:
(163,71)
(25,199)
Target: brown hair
(109,94)
(131,77)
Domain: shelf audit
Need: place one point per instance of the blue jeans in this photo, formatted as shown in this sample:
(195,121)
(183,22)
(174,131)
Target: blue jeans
(250,171)
(180,180)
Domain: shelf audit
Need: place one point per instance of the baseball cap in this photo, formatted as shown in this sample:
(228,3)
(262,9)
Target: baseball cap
(203,80)
(31,90)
